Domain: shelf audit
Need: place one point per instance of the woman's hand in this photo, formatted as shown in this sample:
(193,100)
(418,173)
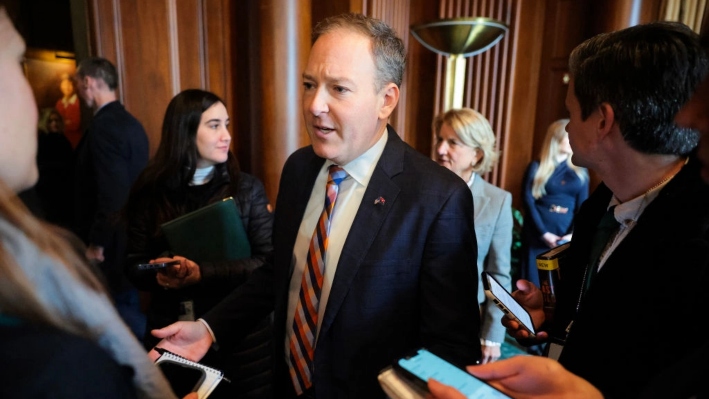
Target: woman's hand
(550,239)
(178,276)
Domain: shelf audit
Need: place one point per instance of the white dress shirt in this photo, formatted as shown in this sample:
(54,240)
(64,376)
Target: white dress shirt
(627,214)
(348,200)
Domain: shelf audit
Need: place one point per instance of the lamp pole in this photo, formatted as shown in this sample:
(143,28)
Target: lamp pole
(457,39)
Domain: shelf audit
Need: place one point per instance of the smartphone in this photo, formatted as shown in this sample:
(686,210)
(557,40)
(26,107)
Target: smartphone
(505,301)
(422,365)
(159,265)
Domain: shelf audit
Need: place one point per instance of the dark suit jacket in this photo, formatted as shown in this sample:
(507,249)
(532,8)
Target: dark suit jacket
(109,157)
(406,276)
(640,314)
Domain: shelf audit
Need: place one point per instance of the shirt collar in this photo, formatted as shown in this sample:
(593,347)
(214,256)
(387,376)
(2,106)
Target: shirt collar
(362,167)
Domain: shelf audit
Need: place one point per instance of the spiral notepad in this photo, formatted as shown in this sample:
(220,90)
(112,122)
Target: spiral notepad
(186,376)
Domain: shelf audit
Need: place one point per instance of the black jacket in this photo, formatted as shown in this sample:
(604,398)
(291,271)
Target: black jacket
(248,365)
(639,316)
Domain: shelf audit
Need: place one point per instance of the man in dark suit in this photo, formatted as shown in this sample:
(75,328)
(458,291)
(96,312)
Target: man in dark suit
(648,275)
(401,252)
(535,376)
(109,157)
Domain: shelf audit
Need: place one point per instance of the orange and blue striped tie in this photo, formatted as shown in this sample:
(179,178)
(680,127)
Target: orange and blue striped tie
(305,319)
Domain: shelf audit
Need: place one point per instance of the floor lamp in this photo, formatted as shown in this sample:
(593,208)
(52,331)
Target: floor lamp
(458,38)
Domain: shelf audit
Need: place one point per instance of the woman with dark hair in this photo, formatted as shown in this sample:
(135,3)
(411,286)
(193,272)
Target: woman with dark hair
(194,167)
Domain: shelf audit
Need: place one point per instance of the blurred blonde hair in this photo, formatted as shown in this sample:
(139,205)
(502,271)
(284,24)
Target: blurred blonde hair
(474,131)
(556,132)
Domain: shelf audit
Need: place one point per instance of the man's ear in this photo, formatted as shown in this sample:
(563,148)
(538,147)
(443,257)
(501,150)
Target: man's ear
(391,98)
(606,120)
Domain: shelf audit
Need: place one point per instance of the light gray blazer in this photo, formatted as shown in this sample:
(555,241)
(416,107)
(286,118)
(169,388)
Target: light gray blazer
(493,229)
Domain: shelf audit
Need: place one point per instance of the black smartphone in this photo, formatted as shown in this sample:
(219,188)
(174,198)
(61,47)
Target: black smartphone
(423,364)
(158,265)
(505,301)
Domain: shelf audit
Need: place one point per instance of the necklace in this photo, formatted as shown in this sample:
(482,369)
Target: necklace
(643,203)
(666,179)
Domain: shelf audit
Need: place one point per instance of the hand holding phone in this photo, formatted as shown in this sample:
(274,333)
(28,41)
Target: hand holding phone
(157,265)
(505,301)
(423,365)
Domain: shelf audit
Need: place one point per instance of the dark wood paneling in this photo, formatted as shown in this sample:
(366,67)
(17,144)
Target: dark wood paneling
(186,34)
(420,79)
(216,21)
(284,45)
(527,31)
(569,27)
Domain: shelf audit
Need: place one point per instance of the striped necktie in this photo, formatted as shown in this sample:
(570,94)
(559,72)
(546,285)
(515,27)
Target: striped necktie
(305,319)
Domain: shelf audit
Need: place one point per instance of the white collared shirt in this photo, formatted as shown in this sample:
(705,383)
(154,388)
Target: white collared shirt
(627,214)
(349,198)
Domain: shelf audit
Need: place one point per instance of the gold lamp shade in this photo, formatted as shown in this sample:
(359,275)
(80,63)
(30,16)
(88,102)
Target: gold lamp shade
(458,38)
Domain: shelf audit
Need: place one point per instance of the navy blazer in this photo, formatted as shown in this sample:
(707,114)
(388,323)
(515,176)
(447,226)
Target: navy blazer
(109,158)
(406,277)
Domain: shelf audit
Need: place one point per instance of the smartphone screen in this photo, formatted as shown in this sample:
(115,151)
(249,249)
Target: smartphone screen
(505,301)
(425,365)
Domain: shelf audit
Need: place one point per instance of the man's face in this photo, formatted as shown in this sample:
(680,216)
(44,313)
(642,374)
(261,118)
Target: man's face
(18,112)
(83,87)
(695,115)
(581,133)
(343,112)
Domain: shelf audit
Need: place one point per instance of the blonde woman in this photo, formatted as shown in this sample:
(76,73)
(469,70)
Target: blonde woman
(554,189)
(466,146)
(60,335)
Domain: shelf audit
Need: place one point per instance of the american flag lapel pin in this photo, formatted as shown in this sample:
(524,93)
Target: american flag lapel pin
(379,200)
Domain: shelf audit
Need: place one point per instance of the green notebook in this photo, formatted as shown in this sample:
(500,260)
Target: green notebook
(211,233)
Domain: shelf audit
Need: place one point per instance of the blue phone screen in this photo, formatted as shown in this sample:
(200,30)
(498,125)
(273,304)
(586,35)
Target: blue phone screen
(426,365)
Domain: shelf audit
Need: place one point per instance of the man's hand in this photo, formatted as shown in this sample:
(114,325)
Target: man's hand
(94,254)
(523,377)
(534,377)
(530,297)
(189,339)
(442,391)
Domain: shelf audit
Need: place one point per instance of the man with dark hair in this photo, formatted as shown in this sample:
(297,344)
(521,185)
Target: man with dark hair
(639,256)
(109,157)
(388,266)
(684,377)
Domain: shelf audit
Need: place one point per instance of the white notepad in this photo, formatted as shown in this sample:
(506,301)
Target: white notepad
(206,379)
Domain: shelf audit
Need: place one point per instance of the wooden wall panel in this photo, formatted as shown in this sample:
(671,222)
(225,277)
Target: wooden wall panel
(526,32)
(396,14)
(566,16)
(285,27)
(420,80)
(215,21)
(186,33)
